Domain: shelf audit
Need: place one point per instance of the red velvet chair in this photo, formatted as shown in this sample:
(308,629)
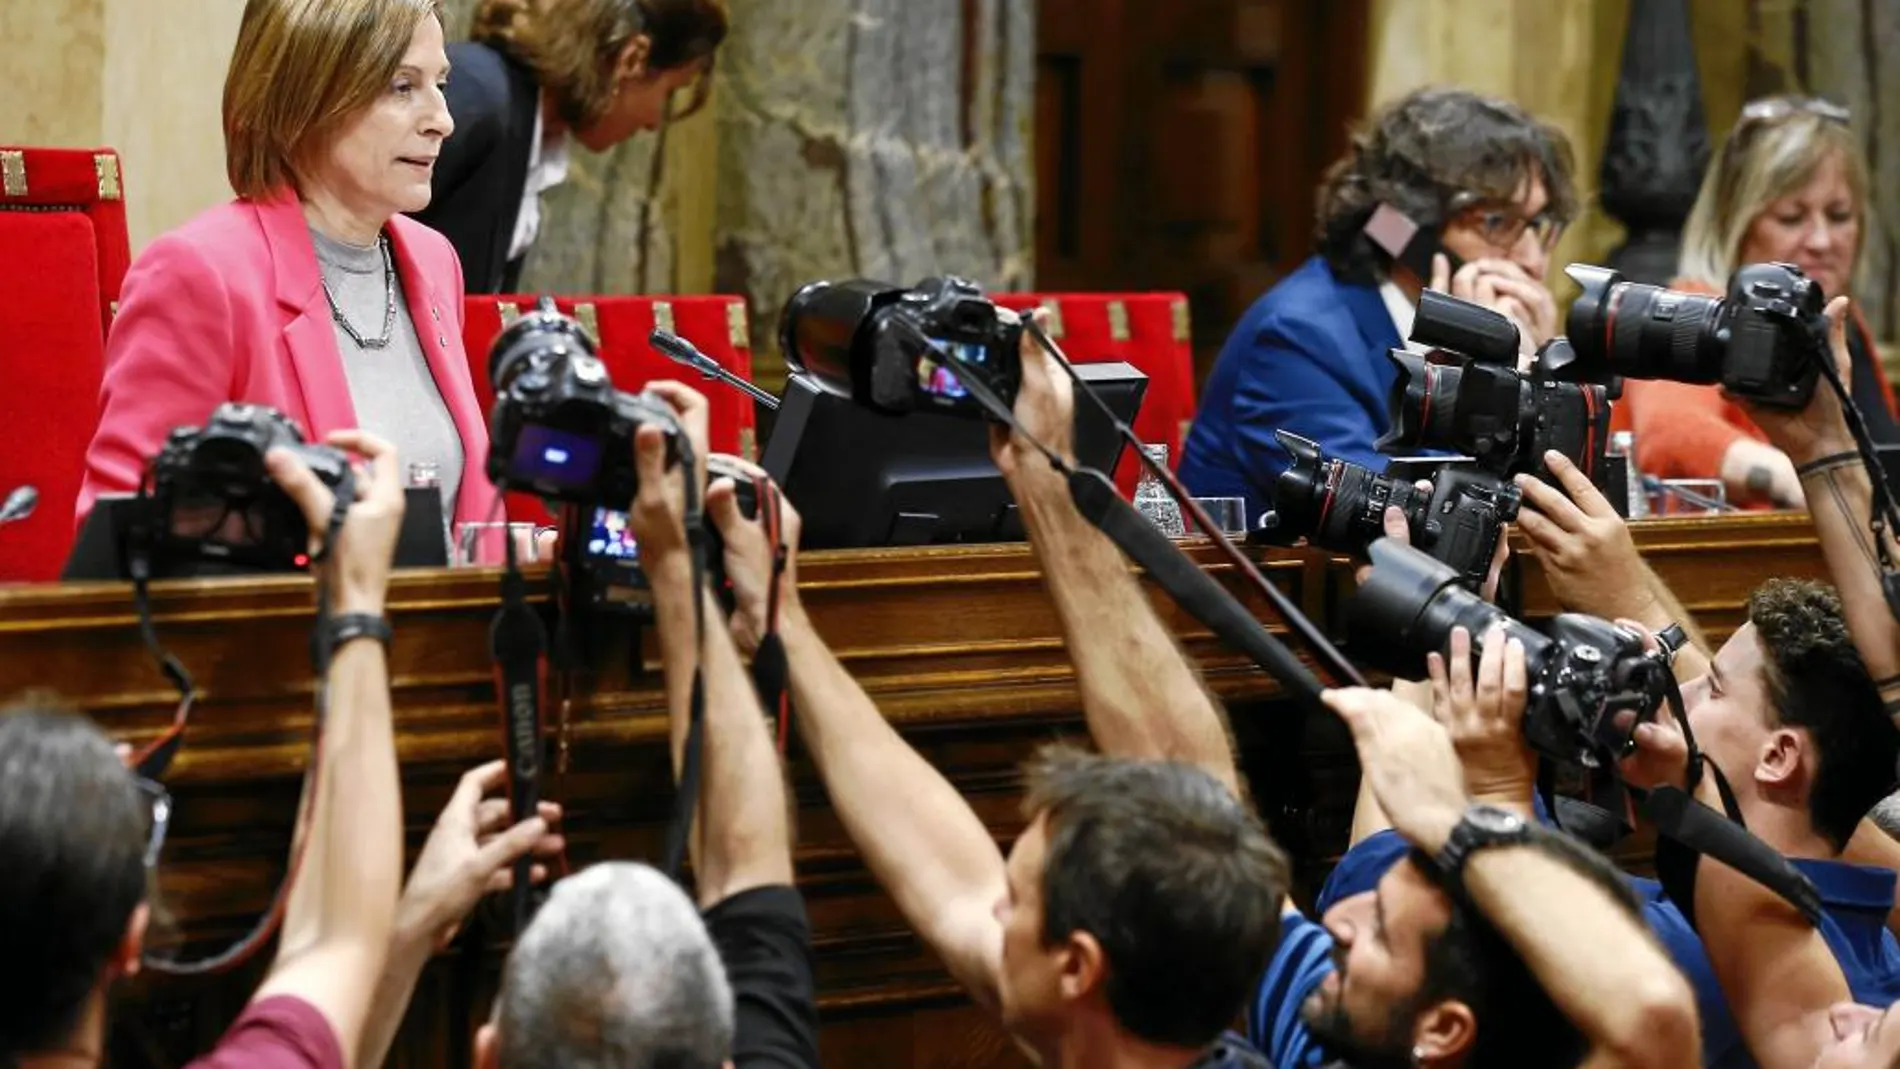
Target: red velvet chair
(716,324)
(63,254)
(1148,330)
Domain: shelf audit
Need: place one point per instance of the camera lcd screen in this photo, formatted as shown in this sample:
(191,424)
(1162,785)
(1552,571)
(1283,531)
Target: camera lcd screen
(562,458)
(611,537)
(938,379)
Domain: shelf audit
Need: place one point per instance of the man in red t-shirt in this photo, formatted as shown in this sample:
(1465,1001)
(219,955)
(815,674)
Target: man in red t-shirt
(78,833)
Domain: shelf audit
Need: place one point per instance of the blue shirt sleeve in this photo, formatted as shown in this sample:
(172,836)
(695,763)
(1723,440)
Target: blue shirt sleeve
(1274,1024)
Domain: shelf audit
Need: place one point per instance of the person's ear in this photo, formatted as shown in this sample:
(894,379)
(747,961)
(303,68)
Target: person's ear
(1781,757)
(631,64)
(1445,1031)
(129,954)
(1084,966)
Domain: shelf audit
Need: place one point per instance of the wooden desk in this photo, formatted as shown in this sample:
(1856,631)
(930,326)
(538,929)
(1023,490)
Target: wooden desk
(958,646)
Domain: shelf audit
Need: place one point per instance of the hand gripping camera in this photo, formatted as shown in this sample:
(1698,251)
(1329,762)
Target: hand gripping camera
(211,496)
(1339,505)
(1584,675)
(899,350)
(1762,341)
(559,427)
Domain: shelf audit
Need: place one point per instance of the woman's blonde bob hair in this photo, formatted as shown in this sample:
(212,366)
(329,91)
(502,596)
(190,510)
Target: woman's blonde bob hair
(572,45)
(1773,152)
(301,70)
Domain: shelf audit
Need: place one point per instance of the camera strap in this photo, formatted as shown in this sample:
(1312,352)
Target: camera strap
(517,640)
(1883,513)
(1186,583)
(771,674)
(155,758)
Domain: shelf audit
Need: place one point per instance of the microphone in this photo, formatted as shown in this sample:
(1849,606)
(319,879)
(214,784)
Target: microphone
(19,504)
(676,348)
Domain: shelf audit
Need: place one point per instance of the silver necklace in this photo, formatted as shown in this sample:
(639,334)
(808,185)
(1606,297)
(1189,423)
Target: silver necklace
(389,306)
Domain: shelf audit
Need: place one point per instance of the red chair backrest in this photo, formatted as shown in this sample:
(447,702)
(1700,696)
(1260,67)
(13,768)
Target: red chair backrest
(63,254)
(1148,330)
(716,324)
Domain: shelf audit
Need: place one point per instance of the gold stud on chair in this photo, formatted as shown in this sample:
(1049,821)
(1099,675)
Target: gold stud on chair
(738,332)
(663,316)
(105,166)
(509,311)
(1117,321)
(13,173)
(589,319)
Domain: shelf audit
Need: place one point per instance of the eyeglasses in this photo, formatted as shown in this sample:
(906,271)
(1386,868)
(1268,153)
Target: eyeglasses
(1777,108)
(1502,226)
(159,802)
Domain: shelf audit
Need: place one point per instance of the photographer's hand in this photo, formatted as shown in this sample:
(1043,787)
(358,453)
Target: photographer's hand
(1409,760)
(1045,409)
(358,566)
(1398,530)
(1486,720)
(750,559)
(657,515)
(1820,429)
(470,853)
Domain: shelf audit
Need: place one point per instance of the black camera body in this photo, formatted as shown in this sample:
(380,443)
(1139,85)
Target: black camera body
(559,428)
(1763,341)
(211,496)
(1485,407)
(898,350)
(1584,675)
(1339,505)
(609,557)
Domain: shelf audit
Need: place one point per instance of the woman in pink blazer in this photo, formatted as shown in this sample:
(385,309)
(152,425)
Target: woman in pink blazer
(310,293)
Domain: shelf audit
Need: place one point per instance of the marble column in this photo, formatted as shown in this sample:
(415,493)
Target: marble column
(886,139)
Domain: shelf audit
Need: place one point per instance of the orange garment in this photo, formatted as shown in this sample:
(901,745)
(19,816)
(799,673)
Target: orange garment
(1683,430)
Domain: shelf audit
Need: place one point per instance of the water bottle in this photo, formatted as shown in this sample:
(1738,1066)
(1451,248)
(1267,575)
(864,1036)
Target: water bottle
(425,473)
(1623,444)
(1153,501)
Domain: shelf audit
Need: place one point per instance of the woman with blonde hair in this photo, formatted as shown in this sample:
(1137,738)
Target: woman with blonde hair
(539,74)
(310,293)
(1790,185)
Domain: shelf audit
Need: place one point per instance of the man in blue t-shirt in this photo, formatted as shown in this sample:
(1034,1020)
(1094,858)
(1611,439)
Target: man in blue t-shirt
(1787,714)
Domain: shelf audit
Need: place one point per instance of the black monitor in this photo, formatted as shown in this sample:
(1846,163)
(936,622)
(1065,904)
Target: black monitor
(100,550)
(860,478)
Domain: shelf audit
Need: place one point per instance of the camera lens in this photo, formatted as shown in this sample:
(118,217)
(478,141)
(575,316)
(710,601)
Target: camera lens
(1335,504)
(1424,404)
(1642,331)
(820,325)
(1409,605)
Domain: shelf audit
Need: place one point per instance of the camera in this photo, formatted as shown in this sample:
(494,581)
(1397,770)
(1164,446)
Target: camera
(212,497)
(1338,505)
(1504,418)
(900,350)
(610,555)
(559,428)
(1762,341)
(1584,675)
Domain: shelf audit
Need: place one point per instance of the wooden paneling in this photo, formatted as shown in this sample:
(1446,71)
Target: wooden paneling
(1178,145)
(958,646)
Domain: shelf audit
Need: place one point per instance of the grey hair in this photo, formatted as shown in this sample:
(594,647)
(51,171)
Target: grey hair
(1776,161)
(616,970)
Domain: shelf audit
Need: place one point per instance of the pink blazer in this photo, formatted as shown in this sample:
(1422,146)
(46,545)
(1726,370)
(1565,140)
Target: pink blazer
(230,307)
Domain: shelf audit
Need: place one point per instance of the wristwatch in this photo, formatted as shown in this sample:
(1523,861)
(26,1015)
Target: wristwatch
(1481,826)
(1672,639)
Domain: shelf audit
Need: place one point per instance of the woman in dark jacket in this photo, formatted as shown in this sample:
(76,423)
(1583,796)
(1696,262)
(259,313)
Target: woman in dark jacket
(539,75)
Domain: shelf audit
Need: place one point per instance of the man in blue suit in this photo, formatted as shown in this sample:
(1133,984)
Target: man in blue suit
(1491,182)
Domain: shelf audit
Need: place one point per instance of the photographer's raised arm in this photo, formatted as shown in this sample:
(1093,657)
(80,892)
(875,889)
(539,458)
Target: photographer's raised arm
(1840,499)
(742,835)
(1141,696)
(1592,564)
(1600,966)
(922,841)
(342,908)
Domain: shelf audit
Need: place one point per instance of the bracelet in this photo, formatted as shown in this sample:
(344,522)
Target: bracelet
(354,625)
(1828,463)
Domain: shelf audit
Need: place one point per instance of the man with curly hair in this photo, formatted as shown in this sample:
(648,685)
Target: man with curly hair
(1491,182)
